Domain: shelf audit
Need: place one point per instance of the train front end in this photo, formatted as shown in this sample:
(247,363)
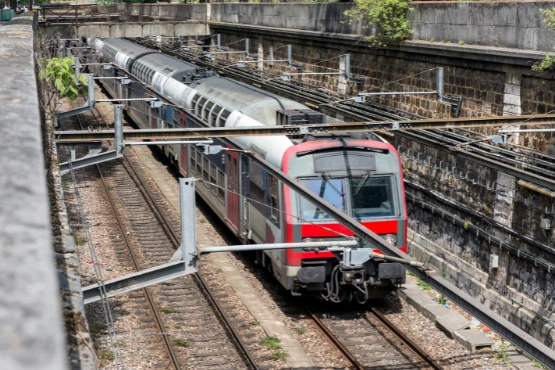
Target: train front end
(362,178)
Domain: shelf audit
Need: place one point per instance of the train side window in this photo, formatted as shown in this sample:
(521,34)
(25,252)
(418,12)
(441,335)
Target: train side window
(206,111)
(256,183)
(221,186)
(192,155)
(205,168)
(200,104)
(274,195)
(223,117)
(213,178)
(214,115)
(199,163)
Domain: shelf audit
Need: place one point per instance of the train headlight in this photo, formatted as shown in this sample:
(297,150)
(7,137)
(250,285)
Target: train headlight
(391,239)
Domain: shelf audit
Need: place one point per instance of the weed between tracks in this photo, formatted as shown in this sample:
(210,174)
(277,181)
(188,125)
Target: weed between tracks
(271,342)
(180,342)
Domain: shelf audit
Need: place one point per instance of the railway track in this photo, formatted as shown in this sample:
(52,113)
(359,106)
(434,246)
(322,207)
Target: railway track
(201,335)
(520,158)
(370,341)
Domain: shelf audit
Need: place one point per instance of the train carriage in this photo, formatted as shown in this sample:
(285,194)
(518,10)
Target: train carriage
(358,175)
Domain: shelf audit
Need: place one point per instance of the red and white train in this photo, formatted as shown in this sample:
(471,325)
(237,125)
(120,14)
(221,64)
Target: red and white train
(360,176)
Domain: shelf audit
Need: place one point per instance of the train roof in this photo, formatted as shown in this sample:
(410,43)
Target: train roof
(251,101)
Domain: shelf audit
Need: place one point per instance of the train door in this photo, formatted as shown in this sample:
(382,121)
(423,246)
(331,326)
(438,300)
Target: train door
(232,174)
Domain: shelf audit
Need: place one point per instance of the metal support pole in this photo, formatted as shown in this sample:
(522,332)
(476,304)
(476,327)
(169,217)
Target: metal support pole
(347,66)
(118,126)
(219,41)
(439,83)
(272,55)
(247,44)
(90,91)
(289,55)
(260,58)
(188,223)
(77,67)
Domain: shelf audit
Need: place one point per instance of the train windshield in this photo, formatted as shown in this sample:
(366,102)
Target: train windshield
(371,197)
(360,197)
(332,190)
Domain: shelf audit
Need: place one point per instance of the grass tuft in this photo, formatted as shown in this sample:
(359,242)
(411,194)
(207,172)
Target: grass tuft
(271,342)
(180,342)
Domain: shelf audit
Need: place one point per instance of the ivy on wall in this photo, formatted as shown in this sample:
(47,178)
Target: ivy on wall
(547,62)
(388,16)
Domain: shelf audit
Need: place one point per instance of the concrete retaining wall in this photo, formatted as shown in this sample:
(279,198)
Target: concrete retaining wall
(31,326)
(129,29)
(504,24)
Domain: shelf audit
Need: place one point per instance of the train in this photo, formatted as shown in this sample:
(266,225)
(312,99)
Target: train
(360,174)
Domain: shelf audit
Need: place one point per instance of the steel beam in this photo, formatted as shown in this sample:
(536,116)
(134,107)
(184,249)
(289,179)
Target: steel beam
(222,132)
(490,318)
(257,247)
(88,161)
(134,281)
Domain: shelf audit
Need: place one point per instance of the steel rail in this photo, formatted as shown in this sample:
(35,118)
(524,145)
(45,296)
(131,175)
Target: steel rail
(412,345)
(344,351)
(150,300)
(176,243)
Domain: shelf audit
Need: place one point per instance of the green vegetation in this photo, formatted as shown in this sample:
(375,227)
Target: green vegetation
(442,299)
(78,240)
(105,356)
(62,75)
(300,330)
(96,327)
(180,342)
(467,224)
(547,62)
(502,354)
(271,342)
(248,324)
(280,355)
(461,42)
(167,310)
(432,39)
(423,285)
(538,365)
(388,16)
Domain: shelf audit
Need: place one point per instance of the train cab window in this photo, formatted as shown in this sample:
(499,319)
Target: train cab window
(372,197)
(331,189)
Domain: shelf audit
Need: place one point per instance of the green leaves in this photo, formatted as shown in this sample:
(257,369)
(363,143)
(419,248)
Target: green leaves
(62,75)
(388,16)
(547,62)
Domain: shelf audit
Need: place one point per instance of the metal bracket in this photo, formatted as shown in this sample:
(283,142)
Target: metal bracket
(94,156)
(89,104)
